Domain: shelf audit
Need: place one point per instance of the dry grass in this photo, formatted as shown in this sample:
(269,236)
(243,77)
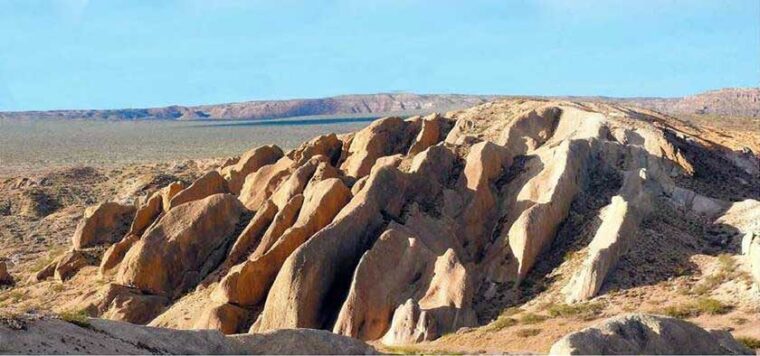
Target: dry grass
(697,308)
(528,332)
(583,311)
(78,318)
(751,342)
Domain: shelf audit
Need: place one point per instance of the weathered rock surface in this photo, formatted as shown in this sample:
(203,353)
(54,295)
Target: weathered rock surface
(102,224)
(98,336)
(188,242)
(209,184)
(648,334)
(70,263)
(249,163)
(147,214)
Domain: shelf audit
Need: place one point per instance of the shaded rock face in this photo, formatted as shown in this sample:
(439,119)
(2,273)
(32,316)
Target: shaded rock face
(102,224)
(408,229)
(183,247)
(648,334)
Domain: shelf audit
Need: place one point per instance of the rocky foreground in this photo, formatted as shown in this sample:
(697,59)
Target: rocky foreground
(412,229)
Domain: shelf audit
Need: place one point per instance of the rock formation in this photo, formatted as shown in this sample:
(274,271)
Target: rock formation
(406,230)
(637,334)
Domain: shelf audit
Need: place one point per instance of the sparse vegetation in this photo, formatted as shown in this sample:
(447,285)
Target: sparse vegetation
(696,308)
(530,318)
(528,332)
(583,311)
(725,272)
(501,323)
(78,318)
(751,342)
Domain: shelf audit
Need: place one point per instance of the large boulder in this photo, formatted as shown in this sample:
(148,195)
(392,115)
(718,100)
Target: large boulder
(103,224)
(328,146)
(183,247)
(249,163)
(636,334)
(259,186)
(209,184)
(43,335)
(147,214)
(117,302)
(71,262)
(115,253)
(383,137)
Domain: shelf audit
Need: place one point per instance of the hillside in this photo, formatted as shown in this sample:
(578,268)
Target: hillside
(500,227)
(743,102)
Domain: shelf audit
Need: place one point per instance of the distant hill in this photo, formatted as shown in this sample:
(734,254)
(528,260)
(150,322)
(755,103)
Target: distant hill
(728,102)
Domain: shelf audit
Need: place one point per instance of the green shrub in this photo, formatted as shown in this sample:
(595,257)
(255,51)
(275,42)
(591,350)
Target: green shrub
(584,311)
(78,318)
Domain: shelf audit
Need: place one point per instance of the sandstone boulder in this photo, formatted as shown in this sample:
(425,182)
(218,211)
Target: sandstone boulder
(328,146)
(251,236)
(248,163)
(115,254)
(147,214)
(383,137)
(168,192)
(259,186)
(122,303)
(225,317)
(209,184)
(103,224)
(647,334)
(183,247)
(71,262)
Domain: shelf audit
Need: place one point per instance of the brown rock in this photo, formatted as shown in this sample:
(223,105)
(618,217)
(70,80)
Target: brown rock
(251,236)
(248,283)
(183,247)
(103,224)
(429,135)
(227,318)
(209,184)
(5,277)
(383,137)
(249,163)
(71,262)
(328,258)
(147,214)
(168,192)
(328,146)
(115,254)
(259,186)
(122,303)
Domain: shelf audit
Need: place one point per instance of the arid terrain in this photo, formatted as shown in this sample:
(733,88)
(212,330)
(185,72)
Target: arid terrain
(500,227)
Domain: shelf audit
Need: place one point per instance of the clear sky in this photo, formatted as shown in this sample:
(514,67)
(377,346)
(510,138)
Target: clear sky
(114,54)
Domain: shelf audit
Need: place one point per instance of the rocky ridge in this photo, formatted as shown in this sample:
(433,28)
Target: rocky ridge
(411,228)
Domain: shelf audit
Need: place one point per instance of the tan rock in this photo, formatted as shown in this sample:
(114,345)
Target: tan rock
(103,224)
(328,146)
(383,137)
(209,184)
(251,236)
(636,334)
(168,192)
(227,318)
(128,304)
(70,263)
(249,163)
(259,186)
(183,247)
(300,289)
(296,182)
(430,134)
(248,283)
(284,219)
(147,214)
(115,254)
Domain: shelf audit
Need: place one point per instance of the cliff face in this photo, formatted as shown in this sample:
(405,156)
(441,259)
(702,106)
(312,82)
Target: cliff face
(726,102)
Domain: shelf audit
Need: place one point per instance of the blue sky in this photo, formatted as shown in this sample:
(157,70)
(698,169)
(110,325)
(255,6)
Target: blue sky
(64,54)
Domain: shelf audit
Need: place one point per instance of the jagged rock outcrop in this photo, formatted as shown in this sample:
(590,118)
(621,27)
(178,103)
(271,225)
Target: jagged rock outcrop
(188,243)
(70,263)
(648,334)
(102,224)
(410,229)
